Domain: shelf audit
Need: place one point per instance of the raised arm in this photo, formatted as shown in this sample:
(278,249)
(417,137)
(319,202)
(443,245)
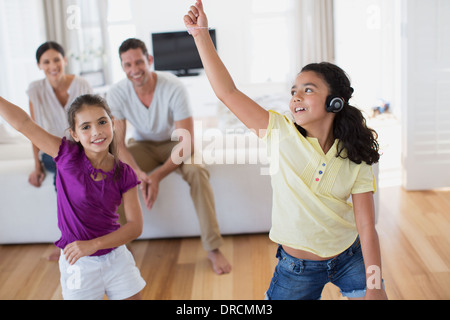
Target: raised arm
(248,111)
(23,123)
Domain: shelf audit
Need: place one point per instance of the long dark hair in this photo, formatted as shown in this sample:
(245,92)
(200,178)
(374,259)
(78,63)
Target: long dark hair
(357,142)
(98,101)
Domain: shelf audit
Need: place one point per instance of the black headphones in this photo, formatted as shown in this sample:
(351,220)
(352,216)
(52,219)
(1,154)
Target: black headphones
(334,104)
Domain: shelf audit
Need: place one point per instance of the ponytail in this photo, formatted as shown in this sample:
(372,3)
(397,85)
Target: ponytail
(358,140)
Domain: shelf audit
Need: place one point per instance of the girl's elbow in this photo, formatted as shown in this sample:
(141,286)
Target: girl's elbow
(139,229)
(134,230)
(23,124)
(225,94)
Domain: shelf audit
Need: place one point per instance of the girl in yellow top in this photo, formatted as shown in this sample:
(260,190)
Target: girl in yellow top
(317,161)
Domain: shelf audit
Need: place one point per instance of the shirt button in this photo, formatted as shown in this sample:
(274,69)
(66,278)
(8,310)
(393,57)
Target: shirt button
(317,179)
(320,172)
(323,164)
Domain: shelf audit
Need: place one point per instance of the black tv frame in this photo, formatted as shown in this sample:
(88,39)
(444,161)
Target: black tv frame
(179,45)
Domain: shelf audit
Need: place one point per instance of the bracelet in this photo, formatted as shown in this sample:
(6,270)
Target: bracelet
(195,28)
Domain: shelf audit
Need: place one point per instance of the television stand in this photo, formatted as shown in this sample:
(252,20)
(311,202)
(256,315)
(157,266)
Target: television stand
(186,73)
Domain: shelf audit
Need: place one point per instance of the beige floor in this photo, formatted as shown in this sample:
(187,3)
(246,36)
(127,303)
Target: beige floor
(413,229)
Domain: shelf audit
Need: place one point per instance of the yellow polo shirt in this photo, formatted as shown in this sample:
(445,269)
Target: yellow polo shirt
(311,190)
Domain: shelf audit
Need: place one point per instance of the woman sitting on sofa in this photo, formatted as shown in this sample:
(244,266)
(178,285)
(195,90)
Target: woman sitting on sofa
(49,99)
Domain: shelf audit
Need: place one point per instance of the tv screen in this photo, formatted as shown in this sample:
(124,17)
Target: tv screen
(176,52)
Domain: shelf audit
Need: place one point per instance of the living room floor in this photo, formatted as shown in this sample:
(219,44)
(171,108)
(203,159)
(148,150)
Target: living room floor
(412,227)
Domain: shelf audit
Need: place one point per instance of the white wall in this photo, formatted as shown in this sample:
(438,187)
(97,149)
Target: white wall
(367,47)
(367,34)
(227,17)
(232,21)
(21,32)
(364,52)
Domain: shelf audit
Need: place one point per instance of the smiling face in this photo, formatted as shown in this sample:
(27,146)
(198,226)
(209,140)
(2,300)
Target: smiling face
(136,65)
(52,63)
(309,94)
(94,129)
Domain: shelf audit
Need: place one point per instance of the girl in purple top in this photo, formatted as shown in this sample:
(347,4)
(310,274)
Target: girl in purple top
(91,184)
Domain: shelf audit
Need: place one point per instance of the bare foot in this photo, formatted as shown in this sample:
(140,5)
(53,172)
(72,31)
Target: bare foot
(219,263)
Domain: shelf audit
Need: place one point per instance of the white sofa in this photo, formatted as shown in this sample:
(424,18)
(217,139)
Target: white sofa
(28,214)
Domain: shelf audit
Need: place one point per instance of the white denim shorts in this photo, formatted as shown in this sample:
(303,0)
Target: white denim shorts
(90,278)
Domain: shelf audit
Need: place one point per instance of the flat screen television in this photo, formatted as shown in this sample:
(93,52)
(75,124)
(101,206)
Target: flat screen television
(176,52)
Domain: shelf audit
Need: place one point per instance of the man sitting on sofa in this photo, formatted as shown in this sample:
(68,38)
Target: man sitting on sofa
(156,103)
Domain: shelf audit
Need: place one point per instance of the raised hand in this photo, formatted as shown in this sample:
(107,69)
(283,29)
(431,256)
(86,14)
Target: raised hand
(196,19)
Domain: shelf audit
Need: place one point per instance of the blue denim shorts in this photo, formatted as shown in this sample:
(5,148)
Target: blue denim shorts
(297,279)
